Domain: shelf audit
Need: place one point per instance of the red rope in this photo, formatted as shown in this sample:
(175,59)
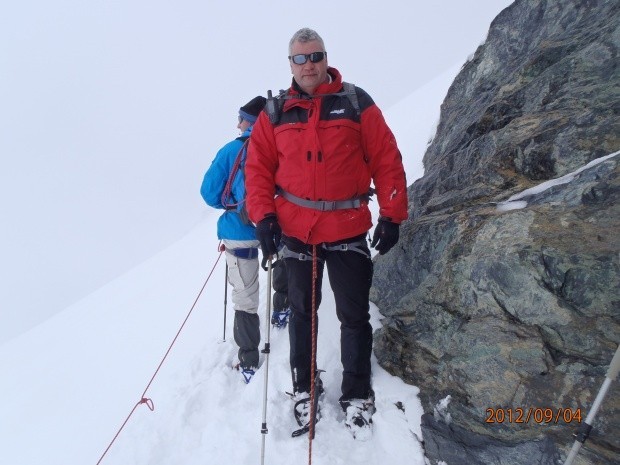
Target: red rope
(313,357)
(145,400)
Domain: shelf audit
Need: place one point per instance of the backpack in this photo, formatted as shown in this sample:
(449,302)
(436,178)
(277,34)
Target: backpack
(274,105)
(227,195)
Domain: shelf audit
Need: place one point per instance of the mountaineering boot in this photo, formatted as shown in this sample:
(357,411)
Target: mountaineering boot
(279,318)
(359,416)
(302,408)
(246,373)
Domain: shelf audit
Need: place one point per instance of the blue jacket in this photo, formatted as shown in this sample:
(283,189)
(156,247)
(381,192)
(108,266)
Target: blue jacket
(230,225)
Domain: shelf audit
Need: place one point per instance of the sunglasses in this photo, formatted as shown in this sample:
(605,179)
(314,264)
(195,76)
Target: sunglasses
(315,57)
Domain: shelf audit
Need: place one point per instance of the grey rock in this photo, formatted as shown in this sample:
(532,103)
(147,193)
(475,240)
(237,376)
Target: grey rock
(504,308)
(456,446)
(545,83)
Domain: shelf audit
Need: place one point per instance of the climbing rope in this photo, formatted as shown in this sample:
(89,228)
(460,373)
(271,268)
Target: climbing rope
(313,392)
(143,399)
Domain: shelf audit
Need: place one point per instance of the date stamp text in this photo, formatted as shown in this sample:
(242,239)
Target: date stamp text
(540,415)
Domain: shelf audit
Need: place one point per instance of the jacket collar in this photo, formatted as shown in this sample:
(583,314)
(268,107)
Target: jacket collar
(331,87)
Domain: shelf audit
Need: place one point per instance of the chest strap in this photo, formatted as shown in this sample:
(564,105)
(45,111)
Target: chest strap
(326,205)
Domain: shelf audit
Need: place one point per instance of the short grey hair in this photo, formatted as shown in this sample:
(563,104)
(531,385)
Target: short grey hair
(305,35)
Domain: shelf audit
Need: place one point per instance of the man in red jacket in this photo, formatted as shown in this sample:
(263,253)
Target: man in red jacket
(309,170)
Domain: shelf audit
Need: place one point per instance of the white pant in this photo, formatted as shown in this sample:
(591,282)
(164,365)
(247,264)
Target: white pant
(243,276)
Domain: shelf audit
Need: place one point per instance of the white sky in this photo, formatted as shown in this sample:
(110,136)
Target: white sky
(110,112)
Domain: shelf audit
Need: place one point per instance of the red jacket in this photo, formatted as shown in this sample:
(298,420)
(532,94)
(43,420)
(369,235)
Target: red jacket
(322,150)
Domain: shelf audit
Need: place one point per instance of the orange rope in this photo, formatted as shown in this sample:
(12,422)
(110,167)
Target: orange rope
(313,358)
(146,400)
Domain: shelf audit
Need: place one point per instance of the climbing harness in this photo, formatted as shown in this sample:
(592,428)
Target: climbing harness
(355,246)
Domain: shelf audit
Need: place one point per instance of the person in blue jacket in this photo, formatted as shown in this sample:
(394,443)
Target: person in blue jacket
(223,187)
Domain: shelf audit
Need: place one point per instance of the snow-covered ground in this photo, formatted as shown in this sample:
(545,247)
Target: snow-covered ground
(70,383)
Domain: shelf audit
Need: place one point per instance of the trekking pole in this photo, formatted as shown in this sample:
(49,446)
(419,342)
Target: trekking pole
(583,431)
(222,248)
(266,351)
(225,299)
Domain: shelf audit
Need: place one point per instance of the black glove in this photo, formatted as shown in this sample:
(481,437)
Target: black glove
(385,236)
(269,233)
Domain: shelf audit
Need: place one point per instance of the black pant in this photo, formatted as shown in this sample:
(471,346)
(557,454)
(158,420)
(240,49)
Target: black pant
(350,277)
(246,330)
(280,286)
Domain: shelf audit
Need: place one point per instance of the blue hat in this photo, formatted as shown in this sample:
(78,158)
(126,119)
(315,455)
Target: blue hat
(252,109)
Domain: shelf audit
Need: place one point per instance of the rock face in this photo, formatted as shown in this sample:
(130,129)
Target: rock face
(507,305)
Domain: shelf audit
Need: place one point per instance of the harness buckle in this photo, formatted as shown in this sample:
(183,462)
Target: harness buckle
(327,205)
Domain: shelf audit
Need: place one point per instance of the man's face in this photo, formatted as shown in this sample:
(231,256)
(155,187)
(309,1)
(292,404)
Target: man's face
(243,125)
(309,75)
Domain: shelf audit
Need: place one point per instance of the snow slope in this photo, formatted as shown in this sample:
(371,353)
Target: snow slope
(68,384)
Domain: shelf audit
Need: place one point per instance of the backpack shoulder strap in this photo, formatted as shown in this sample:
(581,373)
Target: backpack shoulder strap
(274,105)
(238,164)
(349,90)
